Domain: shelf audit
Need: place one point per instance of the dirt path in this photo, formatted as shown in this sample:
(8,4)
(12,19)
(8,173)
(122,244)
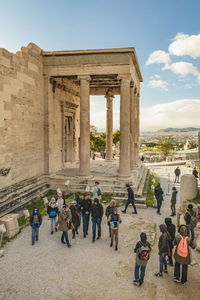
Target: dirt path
(49,270)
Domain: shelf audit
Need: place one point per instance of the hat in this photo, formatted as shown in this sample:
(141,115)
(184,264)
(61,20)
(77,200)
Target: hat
(85,194)
(115,209)
(74,201)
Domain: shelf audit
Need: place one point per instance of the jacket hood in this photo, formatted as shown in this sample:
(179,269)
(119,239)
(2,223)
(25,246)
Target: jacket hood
(163,228)
(34,210)
(143,237)
(168,222)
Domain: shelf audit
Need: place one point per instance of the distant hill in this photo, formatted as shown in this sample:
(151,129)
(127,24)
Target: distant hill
(187,129)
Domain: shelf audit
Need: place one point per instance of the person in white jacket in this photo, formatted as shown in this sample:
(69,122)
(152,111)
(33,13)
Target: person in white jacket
(96,191)
(60,201)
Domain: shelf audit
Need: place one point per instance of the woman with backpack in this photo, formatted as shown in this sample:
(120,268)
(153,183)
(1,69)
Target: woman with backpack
(142,250)
(182,254)
(96,191)
(52,211)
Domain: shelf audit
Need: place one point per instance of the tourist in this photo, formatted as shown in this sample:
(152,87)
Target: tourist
(78,201)
(195,172)
(142,250)
(173,201)
(52,211)
(171,228)
(109,211)
(75,217)
(163,247)
(97,214)
(60,201)
(113,221)
(190,220)
(177,174)
(97,191)
(159,197)
(35,222)
(130,199)
(182,254)
(65,223)
(86,206)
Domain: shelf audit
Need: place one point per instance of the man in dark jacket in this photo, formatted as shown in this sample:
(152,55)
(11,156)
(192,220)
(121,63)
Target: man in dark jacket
(130,199)
(190,220)
(163,247)
(173,201)
(75,217)
(177,174)
(195,172)
(171,230)
(109,211)
(159,197)
(86,206)
(97,214)
(35,222)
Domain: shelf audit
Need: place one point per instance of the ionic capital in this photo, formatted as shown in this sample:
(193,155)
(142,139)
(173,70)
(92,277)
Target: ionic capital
(84,77)
(124,77)
(109,95)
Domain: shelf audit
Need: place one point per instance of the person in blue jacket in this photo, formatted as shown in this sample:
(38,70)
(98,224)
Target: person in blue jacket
(52,211)
(35,222)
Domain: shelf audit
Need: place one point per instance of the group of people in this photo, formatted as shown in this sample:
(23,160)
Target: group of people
(177,173)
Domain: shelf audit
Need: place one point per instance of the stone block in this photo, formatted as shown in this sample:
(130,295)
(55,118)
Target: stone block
(1,253)
(11,223)
(188,188)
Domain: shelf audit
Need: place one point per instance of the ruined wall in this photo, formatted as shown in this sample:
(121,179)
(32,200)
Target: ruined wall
(21,115)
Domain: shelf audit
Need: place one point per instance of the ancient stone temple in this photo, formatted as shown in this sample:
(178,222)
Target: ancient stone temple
(45,115)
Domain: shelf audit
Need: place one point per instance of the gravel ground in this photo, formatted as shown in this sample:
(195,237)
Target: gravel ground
(50,270)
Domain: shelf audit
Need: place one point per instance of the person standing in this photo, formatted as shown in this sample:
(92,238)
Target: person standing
(75,217)
(190,220)
(114,220)
(65,223)
(35,222)
(109,211)
(52,211)
(97,214)
(171,228)
(177,175)
(130,199)
(60,201)
(182,254)
(173,201)
(86,208)
(195,172)
(142,250)
(159,197)
(163,247)
(79,202)
(97,191)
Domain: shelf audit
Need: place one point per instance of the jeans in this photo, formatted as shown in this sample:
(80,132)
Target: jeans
(170,254)
(133,204)
(177,272)
(141,270)
(114,233)
(94,223)
(53,220)
(159,204)
(173,209)
(79,224)
(176,179)
(86,219)
(35,232)
(65,235)
(163,262)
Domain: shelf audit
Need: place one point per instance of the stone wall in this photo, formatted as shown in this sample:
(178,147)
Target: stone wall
(21,115)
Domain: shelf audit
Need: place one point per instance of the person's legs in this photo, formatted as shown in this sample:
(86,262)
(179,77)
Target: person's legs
(87,222)
(84,225)
(36,233)
(170,256)
(109,230)
(163,262)
(158,206)
(184,273)
(112,236)
(142,274)
(134,207)
(137,267)
(65,233)
(192,233)
(116,237)
(73,233)
(99,227)
(94,222)
(177,271)
(51,225)
(126,206)
(33,236)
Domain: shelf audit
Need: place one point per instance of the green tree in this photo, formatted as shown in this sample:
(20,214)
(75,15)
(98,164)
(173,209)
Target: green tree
(98,143)
(166,145)
(116,136)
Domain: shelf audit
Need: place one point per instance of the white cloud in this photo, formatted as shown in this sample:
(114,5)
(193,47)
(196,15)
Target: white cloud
(158,83)
(183,68)
(185,44)
(156,76)
(158,57)
(181,113)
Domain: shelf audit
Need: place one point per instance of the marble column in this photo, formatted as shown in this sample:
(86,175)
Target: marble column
(124,163)
(132,127)
(84,150)
(109,126)
(137,117)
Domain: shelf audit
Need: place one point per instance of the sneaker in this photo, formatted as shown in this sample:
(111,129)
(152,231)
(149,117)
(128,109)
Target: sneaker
(158,274)
(123,211)
(98,238)
(51,232)
(62,241)
(73,236)
(84,236)
(86,233)
(76,232)
(116,248)
(135,282)
(140,283)
(183,283)
(165,271)
(69,246)
(56,229)
(193,262)
(93,240)
(32,243)
(177,280)
(111,244)
(134,212)
(36,239)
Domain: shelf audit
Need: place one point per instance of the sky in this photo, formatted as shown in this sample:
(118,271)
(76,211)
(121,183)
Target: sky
(165,34)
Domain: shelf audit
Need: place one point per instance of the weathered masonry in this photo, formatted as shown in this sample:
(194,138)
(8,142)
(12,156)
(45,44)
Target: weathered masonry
(45,114)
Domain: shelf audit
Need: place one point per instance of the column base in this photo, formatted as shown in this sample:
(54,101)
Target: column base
(124,177)
(109,160)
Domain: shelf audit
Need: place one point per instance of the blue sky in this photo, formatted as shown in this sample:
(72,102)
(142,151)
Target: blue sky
(172,28)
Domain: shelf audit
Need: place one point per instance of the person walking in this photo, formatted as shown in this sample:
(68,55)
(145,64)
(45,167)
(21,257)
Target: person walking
(171,228)
(65,223)
(60,201)
(190,220)
(195,172)
(79,202)
(52,211)
(86,206)
(159,197)
(35,222)
(142,250)
(97,191)
(163,247)
(177,175)
(97,214)
(173,201)
(113,221)
(130,199)
(182,254)
(109,211)
(75,217)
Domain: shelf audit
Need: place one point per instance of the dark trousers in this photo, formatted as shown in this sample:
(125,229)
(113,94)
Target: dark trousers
(75,229)
(173,208)
(176,179)
(163,262)
(170,254)
(139,273)
(177,272)
(133,204)
(86,219)
(96,223)
(159,204)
